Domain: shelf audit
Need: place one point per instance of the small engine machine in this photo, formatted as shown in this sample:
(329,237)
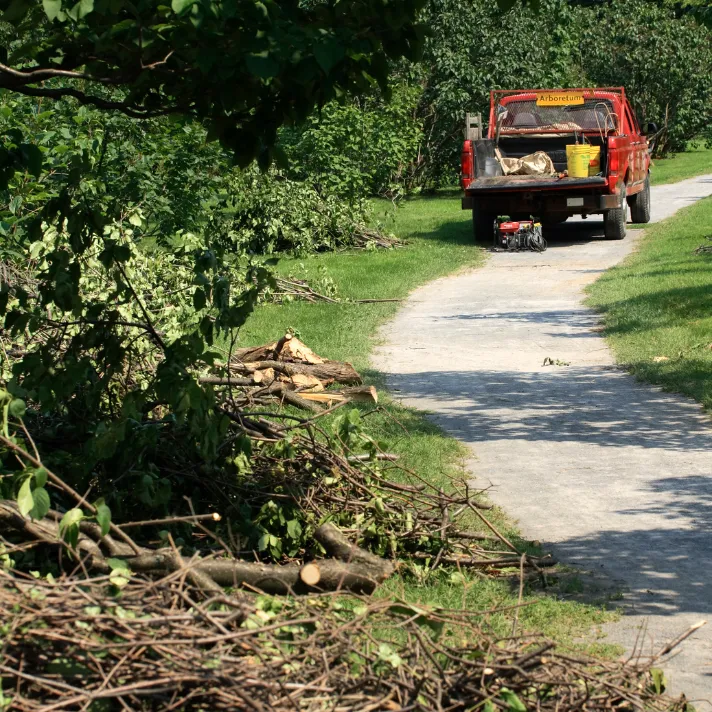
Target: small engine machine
(513,235)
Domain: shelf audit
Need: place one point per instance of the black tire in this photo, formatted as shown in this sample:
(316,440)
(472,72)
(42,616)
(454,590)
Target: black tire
(614,220)
(640,204)
(483,224)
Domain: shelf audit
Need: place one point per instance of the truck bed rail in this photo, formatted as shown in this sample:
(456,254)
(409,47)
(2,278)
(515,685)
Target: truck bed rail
(500,183)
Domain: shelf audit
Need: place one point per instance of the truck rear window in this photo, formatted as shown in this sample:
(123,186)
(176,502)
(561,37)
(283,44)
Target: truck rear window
(592,115)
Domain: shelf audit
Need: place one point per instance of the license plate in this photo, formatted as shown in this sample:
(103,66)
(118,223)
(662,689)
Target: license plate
(574,202)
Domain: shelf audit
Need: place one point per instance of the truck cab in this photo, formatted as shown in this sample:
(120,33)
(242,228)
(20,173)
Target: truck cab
(528,122)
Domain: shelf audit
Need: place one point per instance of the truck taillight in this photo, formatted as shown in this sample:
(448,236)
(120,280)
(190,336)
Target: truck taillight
(613,155)
(468,165)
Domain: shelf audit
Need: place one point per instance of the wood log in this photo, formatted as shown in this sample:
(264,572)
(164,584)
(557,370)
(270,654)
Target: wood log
(365,394)
(288,348)
(338,371)
(283,391)
(220,381)
(351,568)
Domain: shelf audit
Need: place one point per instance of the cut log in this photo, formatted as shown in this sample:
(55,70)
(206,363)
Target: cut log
(325,397)
(266,376)
(338,371)
(365,394)
(288,348)
(294,350)
(310,574)
(351,568)
(303,381)
(280,345)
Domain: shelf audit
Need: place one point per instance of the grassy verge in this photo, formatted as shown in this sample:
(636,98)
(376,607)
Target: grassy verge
(657,305)
(439,243)
(696,161)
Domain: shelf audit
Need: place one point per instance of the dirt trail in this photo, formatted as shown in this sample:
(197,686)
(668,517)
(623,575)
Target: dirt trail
(611,474)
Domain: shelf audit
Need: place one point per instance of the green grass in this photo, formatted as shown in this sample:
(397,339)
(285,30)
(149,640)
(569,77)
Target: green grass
(696,161)
(439,239)
(657,305)
(439,243)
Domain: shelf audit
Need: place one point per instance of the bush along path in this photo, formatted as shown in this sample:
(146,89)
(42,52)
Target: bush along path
(610,472)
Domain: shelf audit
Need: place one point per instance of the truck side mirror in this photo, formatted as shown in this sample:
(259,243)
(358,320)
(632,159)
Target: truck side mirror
(651,128)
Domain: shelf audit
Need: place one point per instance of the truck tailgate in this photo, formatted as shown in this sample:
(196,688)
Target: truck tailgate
(502,183)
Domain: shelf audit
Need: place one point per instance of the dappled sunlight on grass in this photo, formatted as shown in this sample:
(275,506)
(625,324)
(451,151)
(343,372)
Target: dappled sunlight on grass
(657,305)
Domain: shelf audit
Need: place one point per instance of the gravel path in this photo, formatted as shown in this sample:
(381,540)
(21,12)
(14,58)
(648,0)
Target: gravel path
(612,475)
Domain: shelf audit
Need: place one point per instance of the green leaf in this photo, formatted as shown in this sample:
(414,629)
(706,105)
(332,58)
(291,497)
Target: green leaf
(180,6)
(328,54)
(53,10)
(17,408)
(119,565)
(294,529)
(16,11)
(514,704)
(262,65)
(41,503)
(387,654)
(103,518)
(40,477)
(120,572)
(81,9)
(69,526)
(199,300)
(25,501)
(659,681)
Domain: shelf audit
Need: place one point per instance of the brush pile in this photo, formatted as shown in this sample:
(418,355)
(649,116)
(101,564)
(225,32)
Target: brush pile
(290,372)
(248,593)
(69,644)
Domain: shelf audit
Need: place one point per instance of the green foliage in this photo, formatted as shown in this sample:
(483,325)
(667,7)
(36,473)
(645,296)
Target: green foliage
(265,213)
(663,59)
(473,48)
(367,146)
(245,67)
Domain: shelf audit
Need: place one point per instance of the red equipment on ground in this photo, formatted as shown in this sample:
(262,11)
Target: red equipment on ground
(518,235)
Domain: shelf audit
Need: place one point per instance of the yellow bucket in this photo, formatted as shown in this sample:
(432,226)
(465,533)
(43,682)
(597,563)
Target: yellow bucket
(594,162)
(577,160)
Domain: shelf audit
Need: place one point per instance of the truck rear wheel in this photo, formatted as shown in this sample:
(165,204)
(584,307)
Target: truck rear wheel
(614,220)
(482,224)
(640,204)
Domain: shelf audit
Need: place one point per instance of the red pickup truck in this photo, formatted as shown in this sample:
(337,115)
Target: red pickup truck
(525,121)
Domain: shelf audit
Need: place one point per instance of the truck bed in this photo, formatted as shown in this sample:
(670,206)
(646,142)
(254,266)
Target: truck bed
(500,183)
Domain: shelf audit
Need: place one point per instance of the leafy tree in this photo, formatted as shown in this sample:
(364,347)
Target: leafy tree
(475,47)
(246,67)
(104,330)
(366,146)
(664,60)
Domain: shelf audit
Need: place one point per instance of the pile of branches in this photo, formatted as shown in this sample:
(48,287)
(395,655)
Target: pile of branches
(290,372)
(70,644)
(399,525)
(369,239)
(292,288)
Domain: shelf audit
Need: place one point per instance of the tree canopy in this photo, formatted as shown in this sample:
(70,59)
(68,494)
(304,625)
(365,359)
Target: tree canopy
(245,66)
